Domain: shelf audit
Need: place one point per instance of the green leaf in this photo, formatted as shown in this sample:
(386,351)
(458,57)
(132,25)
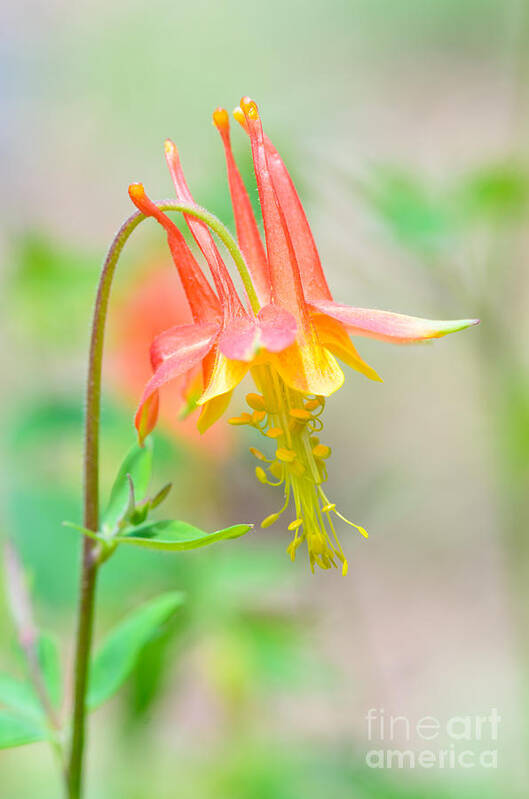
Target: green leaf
(120,651)
(19,696)
(85,531)
(16,731)
(160,496)
(50,666)
(137,464)
(175,536)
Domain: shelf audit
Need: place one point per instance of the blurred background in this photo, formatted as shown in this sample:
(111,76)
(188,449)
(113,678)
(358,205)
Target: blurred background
(405,127)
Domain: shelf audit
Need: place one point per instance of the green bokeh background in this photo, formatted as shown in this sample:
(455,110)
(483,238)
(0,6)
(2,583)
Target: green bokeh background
(405,125)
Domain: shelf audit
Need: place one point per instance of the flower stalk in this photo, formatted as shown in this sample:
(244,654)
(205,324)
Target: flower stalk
(91,559)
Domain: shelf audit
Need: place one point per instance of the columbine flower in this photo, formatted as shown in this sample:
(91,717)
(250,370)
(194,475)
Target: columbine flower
(287,336)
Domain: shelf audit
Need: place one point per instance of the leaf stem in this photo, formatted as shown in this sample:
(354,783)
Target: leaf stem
(90,561)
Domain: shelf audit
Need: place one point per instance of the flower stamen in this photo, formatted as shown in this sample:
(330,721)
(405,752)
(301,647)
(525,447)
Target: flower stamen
(290,419)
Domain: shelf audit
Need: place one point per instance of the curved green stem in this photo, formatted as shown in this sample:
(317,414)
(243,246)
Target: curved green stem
(227,239)
(90,562)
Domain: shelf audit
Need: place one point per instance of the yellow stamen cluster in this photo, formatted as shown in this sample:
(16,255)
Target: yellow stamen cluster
(291,420)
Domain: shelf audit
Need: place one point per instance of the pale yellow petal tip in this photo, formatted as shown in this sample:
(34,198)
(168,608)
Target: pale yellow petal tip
(456,325)
(462,324)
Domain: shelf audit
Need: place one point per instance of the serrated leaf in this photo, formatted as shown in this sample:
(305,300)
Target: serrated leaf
(118,654)
(19,696)
(137,464)
(175,536)
(50,666)
(16,731)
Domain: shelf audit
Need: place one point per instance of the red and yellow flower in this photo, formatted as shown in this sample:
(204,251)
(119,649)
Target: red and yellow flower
(287,332)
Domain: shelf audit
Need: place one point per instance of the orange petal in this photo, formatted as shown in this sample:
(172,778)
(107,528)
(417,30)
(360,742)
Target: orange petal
(202,300)
(248,235)
(147,417)
(312,276)
(287,289)
(189,345)
(203,237)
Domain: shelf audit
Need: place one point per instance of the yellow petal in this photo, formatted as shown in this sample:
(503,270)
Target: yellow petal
(225,376)
(334,336)
(212,410)
(309,368)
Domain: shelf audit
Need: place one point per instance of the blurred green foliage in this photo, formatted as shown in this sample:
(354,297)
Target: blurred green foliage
(497,192)
(46,277)
(118,655)
(406,204)
(427,218)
